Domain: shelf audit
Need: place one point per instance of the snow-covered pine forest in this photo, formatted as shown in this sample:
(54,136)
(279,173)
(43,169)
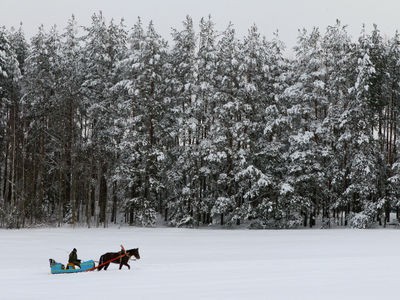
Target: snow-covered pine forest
(107,124)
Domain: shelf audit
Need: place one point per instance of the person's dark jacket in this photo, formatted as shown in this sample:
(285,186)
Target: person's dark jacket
(73,258)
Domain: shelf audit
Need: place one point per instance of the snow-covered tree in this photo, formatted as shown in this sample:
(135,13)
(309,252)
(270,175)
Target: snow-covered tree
(147,135)
(104,46)
(357,138)
(41,103)
(182,89)
(114,125)
(10,133)
(225,158)
(307,108)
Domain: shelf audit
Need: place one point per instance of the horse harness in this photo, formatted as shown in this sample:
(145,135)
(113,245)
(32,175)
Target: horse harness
(123,254)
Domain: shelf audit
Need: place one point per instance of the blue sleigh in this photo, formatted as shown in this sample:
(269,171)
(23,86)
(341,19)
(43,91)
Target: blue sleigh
(59,268)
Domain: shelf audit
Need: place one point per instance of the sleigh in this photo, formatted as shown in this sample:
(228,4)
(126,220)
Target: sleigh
(121,257)
(59,268)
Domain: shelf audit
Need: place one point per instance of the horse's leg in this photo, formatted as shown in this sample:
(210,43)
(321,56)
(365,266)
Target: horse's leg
(106,266)
(124,263)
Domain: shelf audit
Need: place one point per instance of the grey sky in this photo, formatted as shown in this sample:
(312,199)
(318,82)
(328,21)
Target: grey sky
(285,15)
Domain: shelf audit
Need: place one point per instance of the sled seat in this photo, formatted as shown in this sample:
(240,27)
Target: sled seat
(71,266)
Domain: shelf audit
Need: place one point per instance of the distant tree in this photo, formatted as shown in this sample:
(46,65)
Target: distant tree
(10,133)
(338,56)
(307,111)
(145,141)
(361,169)
(72,194)
(225,158)
(390,130)
(103,48)
(41,78)
(182,89)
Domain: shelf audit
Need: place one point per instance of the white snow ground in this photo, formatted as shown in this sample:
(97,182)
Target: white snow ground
(205,264)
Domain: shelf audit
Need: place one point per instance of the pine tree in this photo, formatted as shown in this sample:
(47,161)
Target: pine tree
(71,192)
(10,73)
(391,191)
(201,151)
(358,135)
(308,106)
(226,111)
(41,78)
(339,63)
(145,83)
(183,87)
(259,168)
(104,47)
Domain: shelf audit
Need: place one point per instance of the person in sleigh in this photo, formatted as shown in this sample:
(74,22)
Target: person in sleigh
(73,259)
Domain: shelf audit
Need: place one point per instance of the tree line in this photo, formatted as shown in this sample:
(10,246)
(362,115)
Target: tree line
(114,125)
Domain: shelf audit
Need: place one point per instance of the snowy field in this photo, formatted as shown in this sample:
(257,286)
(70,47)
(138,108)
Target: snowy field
(205,264)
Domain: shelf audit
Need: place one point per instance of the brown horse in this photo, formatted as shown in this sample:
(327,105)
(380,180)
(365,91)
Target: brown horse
(123,260)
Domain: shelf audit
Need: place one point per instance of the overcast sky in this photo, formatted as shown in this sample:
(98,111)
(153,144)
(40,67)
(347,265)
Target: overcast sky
(287,16)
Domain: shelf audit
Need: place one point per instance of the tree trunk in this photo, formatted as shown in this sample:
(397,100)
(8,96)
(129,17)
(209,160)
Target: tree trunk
(97,194)
(89,199)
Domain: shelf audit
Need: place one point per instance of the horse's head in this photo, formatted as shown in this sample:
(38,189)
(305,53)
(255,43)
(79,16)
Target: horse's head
(133,252)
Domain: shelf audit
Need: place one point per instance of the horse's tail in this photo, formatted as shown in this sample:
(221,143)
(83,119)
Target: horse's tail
(101,260)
